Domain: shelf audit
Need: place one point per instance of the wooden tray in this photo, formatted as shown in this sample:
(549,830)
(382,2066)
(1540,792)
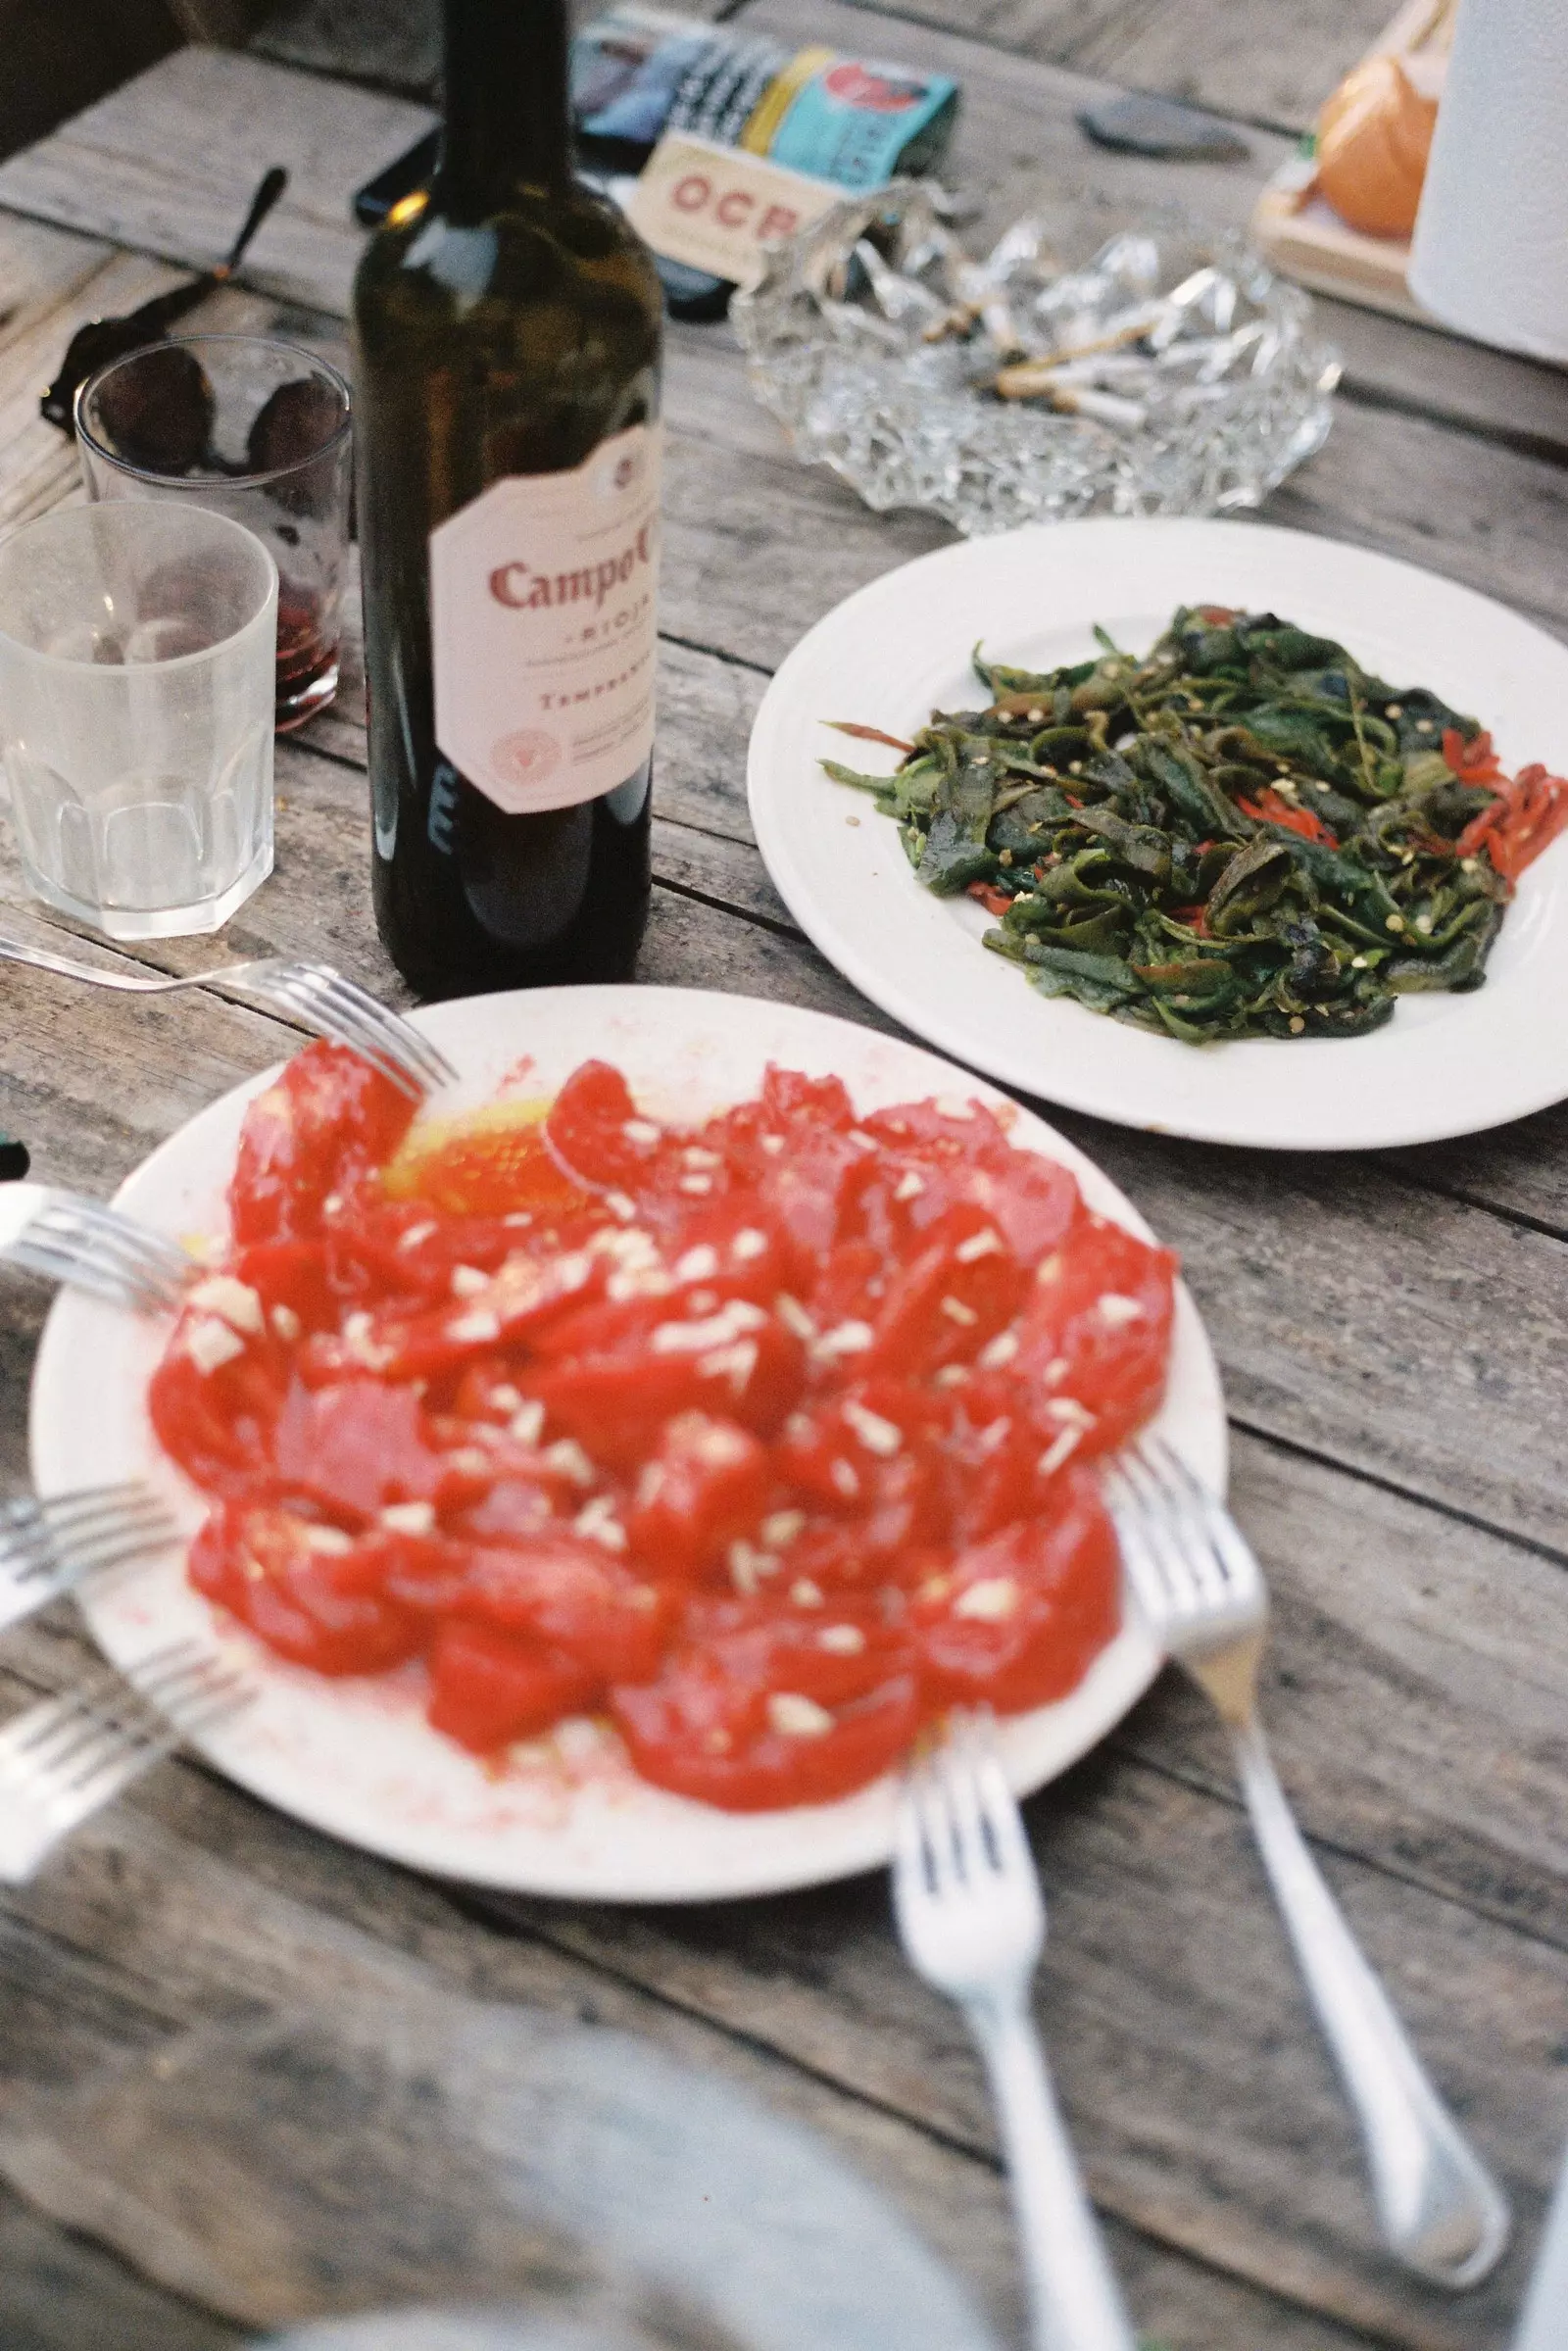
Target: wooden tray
(1298,235)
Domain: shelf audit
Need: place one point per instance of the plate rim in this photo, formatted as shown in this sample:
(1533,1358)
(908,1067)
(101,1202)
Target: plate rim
(1119,1676)
(1027,1069)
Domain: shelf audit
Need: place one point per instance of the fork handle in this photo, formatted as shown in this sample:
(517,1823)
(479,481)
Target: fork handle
(1441,2212)
(1074,2299)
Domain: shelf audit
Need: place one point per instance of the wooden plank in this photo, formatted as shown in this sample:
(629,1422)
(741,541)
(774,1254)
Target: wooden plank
(59,2292)
(169,163)
(191,1905)
(385,44)
(1258,63)
(1203,2106)
(213,133)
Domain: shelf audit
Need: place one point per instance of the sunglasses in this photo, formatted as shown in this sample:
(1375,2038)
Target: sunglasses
(101,340)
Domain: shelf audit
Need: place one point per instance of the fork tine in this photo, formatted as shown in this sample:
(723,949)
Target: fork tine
(89,1238)
(1237,1563)
(299,989)
(961,1799)
(372,1028)
(1184,1532)
(400,1035)
(1159,1595)
(999,1810)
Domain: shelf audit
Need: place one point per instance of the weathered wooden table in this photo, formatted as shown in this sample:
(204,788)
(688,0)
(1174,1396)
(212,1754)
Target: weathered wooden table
(1390,1331)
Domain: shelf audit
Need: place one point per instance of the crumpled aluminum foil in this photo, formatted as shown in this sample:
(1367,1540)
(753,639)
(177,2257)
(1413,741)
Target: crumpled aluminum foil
(1095,361)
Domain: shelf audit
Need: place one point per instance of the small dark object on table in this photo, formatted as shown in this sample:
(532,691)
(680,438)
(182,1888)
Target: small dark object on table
(13,1159)
(1136,125)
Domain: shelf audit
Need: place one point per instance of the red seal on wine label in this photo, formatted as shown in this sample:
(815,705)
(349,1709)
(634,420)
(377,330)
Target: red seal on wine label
(528,757)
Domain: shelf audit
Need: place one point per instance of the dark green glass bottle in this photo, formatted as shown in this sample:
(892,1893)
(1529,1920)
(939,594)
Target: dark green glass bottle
(506,330)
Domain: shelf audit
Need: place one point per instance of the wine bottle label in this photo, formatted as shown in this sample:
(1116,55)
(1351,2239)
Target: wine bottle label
(542,609)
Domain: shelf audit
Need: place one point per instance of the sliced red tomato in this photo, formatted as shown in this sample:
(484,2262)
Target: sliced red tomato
(761,1426)
(356,1447)
(1094,1335)
(311,1592)
(489,1687)
(751,1714)
(216,1423)
(737,1365)
(705,1486)
(567,1590)
(1017,1620)
(946,1302)
(330,1121)
(597,1133)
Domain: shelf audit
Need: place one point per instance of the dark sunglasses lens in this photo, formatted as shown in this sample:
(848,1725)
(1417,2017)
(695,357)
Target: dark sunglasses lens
(91,347)
(157,414)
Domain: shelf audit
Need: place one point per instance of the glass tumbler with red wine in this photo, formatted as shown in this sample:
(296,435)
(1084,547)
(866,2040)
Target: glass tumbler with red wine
(255,430)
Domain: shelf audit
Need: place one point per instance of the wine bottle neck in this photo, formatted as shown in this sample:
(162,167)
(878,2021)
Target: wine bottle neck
(508,115)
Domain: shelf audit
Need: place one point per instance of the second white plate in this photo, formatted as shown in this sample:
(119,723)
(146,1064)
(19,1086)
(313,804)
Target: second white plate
(889,655)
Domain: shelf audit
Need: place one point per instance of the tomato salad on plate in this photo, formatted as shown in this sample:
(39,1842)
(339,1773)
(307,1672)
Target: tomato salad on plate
(764,1439)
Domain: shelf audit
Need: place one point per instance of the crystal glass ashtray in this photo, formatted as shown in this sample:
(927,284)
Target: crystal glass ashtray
(1097,361)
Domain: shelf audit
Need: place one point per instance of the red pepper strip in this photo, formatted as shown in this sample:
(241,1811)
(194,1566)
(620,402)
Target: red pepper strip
(1195,917)
(870,734)
(995,901)
(1525,818)
(1219,616)
(1272,807)
(1474,761)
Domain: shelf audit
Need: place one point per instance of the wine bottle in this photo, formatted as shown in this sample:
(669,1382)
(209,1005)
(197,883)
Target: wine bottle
(506,328)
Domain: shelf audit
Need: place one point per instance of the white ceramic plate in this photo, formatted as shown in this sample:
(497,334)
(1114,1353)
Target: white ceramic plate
(356,1758)
(889,655)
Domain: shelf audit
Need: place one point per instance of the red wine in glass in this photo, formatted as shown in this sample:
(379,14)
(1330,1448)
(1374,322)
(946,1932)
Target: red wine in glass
(307,661)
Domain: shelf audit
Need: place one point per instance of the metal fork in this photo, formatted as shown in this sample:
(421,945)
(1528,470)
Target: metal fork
(65,1758)
(46,1548)
(1202,1593)
(314,993)
(972,1922)
(81,1243)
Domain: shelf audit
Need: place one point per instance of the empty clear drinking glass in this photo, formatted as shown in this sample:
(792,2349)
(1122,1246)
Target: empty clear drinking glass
(136,661)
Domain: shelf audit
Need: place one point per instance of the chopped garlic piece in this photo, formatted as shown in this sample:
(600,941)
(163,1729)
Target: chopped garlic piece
(878,1435)
(797,1717)
(474,1330)
(330,1541)
(468,1281)
(409,1518)
(1117,1311)
(718,1329)
(699,1264)
(569,1460)
(748,1244)
(527,1422)
(643,1132)
(910,1186)
(781,1527)
(286,1323)
(841,1640)
(956,1312)
(999,1350)
(989,1600)
(211,1344)
(598,1521)
(979,1244)
(234,1302)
